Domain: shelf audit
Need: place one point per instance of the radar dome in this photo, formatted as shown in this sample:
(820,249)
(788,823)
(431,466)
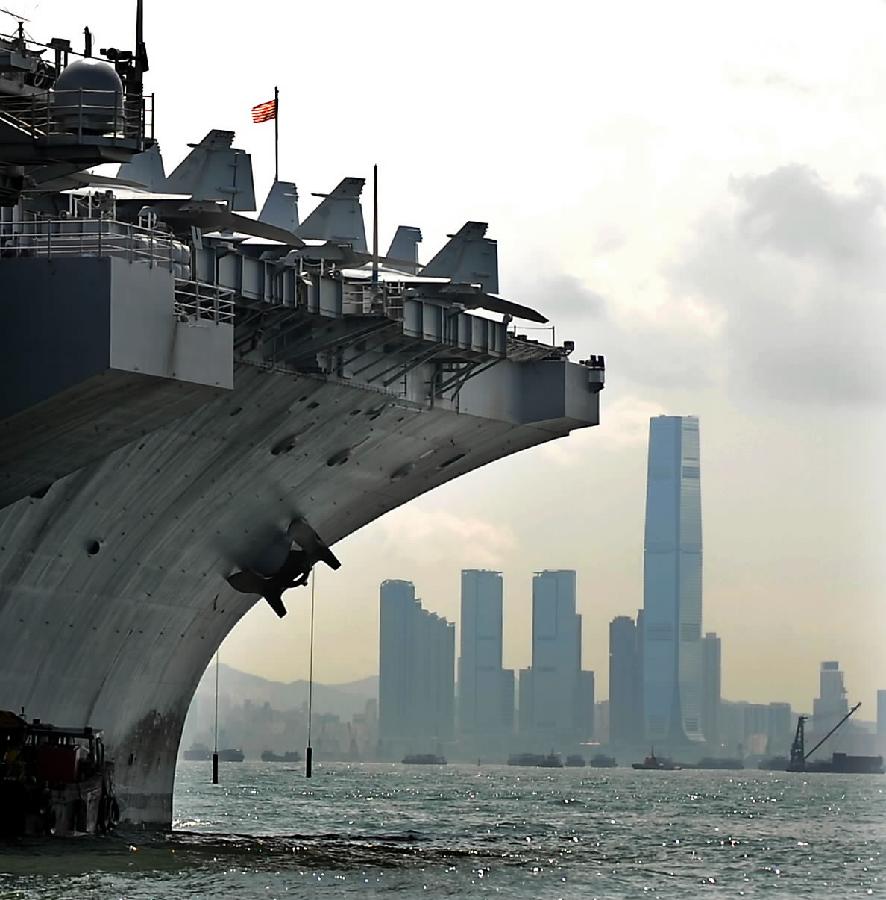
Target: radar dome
(88,97)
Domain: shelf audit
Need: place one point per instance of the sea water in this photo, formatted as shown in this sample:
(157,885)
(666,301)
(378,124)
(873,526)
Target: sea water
(374,830)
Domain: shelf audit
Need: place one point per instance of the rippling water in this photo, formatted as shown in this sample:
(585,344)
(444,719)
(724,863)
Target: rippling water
(462,831)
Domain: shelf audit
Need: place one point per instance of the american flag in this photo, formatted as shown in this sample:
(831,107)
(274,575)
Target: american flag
(264,112)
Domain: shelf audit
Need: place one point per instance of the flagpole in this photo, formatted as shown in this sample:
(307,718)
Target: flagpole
(276,134)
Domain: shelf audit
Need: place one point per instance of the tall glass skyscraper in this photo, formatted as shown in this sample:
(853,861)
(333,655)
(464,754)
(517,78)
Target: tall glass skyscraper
(672,564)
(485,689)
(554,692)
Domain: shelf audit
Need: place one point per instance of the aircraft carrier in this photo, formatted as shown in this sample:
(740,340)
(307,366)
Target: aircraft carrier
(197,405)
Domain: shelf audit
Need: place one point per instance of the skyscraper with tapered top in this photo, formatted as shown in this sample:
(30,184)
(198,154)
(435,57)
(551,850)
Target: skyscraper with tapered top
(672,582)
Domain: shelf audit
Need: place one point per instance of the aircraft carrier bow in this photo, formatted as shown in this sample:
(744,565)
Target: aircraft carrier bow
(198,405)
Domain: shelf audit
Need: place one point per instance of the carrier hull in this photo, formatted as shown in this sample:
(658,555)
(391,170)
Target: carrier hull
(113,596)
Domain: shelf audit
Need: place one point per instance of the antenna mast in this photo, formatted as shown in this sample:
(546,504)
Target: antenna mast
(375,225)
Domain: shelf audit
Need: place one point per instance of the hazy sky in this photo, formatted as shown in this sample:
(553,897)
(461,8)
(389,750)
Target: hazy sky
(696,190)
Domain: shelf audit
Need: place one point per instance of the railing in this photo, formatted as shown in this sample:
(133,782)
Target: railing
(92,237)
(366,299)
(83,114)
(200,302)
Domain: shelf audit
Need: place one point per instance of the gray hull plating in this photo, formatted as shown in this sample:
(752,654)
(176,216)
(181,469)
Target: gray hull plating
(112,591)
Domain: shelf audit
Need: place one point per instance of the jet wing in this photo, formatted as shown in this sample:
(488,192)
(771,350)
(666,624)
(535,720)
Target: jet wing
(473,298)
(210,216)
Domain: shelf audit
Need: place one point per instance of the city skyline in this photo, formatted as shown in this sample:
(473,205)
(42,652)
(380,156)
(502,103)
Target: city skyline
(635,232)
(555,702)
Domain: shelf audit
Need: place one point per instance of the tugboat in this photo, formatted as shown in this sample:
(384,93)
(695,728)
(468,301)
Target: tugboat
(551,761)
(53,781)
(662,763)
(423,759)
(290,756)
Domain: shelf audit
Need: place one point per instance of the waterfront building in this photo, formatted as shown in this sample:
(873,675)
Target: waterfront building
(416,672)
(625,681)
(485,689)
(756,728)
(710,688)
(672,582)
(831,704)
(781,729)
(584,700)
(601,721)
(553,690)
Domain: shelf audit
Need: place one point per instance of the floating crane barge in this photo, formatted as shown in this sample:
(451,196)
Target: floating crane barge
(840,763)
(198,405)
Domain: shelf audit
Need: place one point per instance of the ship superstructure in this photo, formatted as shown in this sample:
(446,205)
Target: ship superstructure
(198,405)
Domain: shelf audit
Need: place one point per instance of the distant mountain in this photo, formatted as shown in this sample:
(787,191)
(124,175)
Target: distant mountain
(342,700)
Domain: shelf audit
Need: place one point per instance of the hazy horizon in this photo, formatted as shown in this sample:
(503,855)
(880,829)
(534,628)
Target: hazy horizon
(700,196)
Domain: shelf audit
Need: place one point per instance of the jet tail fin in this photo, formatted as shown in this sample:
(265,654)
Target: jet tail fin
(405,246)
(339,217)
(145,168)
(281,206)
(469,258)
(216,170)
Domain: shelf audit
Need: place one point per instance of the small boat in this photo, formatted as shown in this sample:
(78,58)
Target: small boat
(551,761)
(290,756)
(423,759)
(574,761)
(197,752)
(53,781)
(231,754)
(661,763)
(602,761)
(539,760)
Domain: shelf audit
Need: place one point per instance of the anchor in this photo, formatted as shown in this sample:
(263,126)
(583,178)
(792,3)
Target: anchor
(293,573)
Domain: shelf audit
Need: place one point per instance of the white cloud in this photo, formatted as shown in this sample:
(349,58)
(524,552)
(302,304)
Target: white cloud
(430,537)
(795,269)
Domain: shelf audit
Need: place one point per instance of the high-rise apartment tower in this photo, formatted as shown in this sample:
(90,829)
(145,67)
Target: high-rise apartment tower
(625,686)
(416,689)
(554,691)
(710,688)
(485,689)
